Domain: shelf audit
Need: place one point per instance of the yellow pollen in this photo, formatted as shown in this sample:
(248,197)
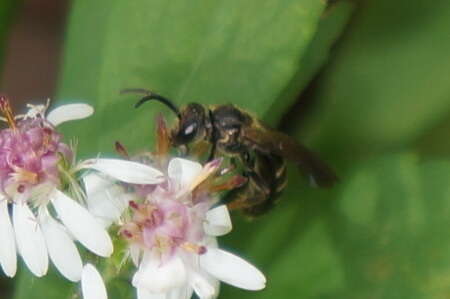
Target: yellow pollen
(23,175)
(191,247)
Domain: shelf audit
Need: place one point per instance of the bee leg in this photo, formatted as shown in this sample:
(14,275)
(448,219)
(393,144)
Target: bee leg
(248,162)
(253,193)
(233,166)
(266,176)
(259,209)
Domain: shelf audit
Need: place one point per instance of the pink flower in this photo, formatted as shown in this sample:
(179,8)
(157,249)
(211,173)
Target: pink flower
(35,167)
(29,157)
(171,229)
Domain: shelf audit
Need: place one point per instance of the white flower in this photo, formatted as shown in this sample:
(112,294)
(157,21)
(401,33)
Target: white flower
(35,166)
(92,285)
(172,233)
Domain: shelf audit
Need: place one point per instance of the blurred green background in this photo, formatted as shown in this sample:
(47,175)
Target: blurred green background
(366,84)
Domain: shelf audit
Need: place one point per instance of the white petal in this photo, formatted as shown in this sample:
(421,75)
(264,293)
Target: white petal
(8,256)
(143,293)
(203,287)
(92,285)
(61,248)
(30,240)
(69,112)
(105,199)
(218,221)
(160,278)
(180,293)
(135,253)
(210,242)
(82,225)
(126,171)
(183,171)
(231,269)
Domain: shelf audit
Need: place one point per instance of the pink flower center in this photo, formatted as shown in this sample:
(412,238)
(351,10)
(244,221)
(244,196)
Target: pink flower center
(165,225)
(29,155)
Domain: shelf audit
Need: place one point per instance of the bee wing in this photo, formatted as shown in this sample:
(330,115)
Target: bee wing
(274,142)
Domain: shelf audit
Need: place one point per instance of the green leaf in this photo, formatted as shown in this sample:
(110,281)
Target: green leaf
(291,244)
(212,52)
(388,83)
(207,51)
(50,286)
(53,285)
(436,142)
(390,229)
(330,27)
(383,233)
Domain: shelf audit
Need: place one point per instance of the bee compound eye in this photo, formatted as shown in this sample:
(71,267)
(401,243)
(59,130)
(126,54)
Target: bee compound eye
(189,130)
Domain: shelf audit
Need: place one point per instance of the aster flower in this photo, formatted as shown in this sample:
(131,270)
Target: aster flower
(37,172)
(171,228)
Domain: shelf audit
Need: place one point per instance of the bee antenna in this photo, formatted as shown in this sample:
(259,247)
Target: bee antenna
(152,96)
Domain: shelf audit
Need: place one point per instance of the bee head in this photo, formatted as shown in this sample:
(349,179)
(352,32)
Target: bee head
(192,119)
(191,126)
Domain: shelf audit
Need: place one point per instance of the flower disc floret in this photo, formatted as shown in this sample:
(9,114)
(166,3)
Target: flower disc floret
(29,156)
(165,226)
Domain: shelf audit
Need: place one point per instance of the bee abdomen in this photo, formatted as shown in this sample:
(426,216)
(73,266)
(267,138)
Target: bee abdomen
(267,178)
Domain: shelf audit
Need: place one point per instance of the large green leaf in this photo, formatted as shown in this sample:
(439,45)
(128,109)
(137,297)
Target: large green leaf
(242,52)
(383,233)
(330,28)
(436,142)
(390,229)
(388,83)
(251,235)
(374,235)
(50,286)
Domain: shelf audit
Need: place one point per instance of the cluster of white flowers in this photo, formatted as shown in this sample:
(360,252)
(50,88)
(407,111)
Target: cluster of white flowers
(163,210)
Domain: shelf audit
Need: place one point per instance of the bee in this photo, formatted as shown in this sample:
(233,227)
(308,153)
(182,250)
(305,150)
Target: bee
(261,151)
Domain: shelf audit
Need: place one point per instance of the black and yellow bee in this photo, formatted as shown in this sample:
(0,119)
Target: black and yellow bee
(262,151)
